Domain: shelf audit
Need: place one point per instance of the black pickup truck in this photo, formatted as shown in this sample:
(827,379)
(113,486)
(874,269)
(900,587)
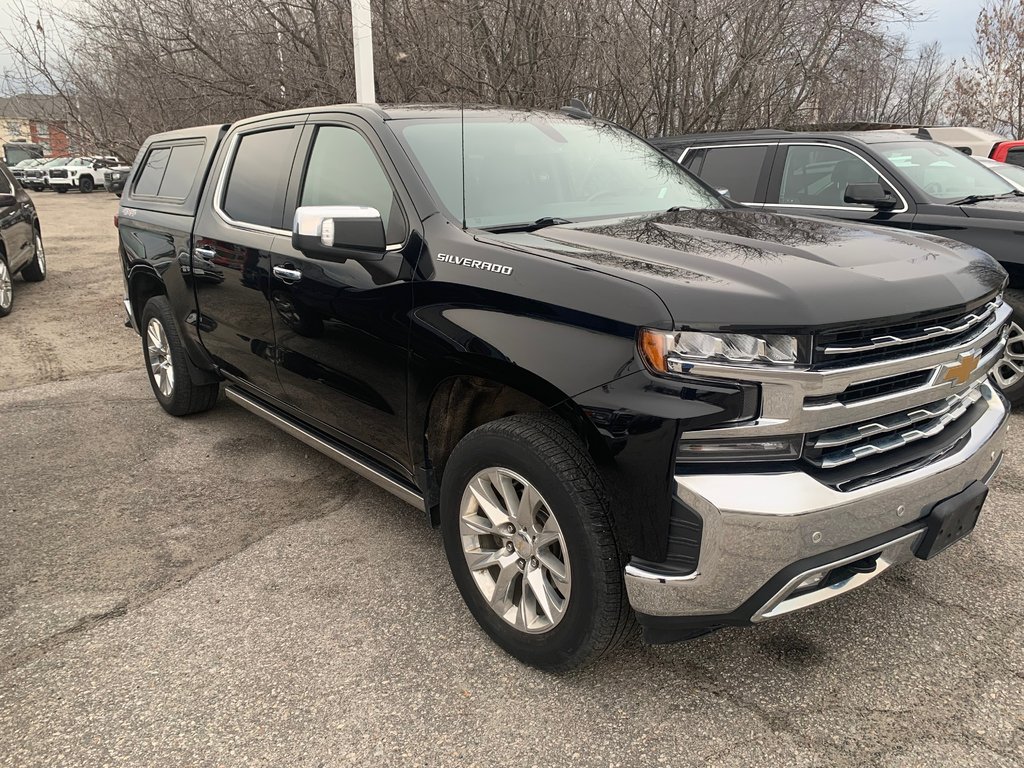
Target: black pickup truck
(619,395)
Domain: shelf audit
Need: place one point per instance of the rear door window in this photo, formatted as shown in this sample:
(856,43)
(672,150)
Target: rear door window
(258,176)
(737,169)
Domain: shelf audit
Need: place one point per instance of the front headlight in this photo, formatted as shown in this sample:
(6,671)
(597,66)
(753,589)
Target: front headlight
(675,351)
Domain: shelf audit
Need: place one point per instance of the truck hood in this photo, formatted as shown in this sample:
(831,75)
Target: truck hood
(751,269)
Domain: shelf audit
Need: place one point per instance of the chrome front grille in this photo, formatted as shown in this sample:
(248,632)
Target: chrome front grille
(865,345)
(866,421)
(846,445)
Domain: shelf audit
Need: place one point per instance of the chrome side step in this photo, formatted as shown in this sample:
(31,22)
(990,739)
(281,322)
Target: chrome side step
(357,465)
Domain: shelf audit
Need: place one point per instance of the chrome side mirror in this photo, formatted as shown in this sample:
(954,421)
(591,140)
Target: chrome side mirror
(339,231)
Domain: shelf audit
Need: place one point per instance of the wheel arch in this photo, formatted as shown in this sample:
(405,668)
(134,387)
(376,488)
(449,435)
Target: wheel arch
(465,400)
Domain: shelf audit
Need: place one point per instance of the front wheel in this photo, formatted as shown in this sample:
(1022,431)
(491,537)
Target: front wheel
(167,364)
(528,534)
(1009,372)
(85,184)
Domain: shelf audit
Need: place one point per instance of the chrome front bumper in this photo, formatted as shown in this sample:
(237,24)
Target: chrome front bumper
(756,526)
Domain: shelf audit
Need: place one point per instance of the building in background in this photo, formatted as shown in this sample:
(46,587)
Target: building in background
(36,119)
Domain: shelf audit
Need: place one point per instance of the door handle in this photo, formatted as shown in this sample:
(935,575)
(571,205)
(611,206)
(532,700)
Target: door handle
(205,253)
(287,274)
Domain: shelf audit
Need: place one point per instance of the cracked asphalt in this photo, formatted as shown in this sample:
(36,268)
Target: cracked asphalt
(209,592)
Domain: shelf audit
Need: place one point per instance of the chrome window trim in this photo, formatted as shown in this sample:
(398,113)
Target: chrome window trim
(221,188)
(787,144)
(872,166)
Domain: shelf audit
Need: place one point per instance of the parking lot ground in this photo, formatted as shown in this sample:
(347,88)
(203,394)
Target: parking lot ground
(208,591)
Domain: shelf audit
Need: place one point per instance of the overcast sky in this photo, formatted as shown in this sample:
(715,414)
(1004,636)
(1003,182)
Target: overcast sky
(951,22)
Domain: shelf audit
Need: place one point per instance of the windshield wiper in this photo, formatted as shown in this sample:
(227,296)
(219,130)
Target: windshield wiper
(543,221)
(971,199)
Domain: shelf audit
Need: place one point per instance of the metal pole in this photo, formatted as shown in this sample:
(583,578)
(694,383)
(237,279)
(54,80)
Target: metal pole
(362,48)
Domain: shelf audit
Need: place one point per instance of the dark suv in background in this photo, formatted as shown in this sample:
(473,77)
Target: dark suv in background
(876,177)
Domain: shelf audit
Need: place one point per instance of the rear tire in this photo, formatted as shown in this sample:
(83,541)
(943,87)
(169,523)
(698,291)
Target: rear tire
(554,578)
(1009,372)
(166,363)
(35,270)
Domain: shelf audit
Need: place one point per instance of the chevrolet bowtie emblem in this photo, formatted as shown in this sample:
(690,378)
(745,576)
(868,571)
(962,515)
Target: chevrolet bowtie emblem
(961,370)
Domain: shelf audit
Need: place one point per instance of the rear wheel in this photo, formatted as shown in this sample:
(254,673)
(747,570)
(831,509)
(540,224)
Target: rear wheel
(61,189)
(86,184)
(1009,372)
(167,364)
(528,534)
(35,272)
(6,288)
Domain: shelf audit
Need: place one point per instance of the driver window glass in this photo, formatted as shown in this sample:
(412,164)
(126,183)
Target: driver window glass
(5,184)
(815,175)
(343,169)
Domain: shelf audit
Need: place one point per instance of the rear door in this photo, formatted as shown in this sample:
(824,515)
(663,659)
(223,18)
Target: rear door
(343,324)
(742,169)
(810,179)
(240,221)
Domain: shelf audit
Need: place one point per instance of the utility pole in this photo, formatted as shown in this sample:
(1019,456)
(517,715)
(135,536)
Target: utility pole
(362,49)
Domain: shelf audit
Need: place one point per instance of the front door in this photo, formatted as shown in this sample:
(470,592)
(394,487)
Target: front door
(241,222)
(343,325)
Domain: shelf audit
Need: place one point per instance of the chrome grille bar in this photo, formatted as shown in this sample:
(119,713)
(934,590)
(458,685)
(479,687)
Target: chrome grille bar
(892,432)
(926,334)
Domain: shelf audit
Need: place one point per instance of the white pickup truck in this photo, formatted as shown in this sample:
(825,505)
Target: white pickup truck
(82,173)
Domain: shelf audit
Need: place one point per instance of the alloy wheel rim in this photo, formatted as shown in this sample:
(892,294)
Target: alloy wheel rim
(515,550)
(1010,370)
(6,289)
(40,254)
(160,362)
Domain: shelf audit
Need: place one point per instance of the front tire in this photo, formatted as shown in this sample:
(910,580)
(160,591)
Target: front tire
(35,271)
(167,366)
(85,184)
(528,533)
(1009,372)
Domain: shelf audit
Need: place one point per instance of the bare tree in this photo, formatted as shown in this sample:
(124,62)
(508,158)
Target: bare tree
(125,69)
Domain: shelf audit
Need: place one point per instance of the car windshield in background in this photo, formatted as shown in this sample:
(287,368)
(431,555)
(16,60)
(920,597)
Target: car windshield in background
(943,172)
(1012,173)
(543,167)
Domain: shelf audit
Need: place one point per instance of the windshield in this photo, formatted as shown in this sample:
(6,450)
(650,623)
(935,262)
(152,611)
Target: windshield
(56,161)
(943,172)
(529,167)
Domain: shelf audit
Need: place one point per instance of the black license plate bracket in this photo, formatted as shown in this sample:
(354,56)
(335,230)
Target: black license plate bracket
(952,519)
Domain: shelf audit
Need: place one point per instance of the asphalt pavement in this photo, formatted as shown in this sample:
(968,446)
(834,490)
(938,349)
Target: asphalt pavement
(208,591)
